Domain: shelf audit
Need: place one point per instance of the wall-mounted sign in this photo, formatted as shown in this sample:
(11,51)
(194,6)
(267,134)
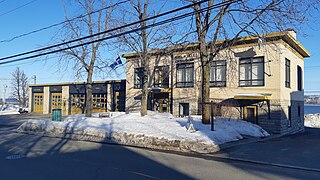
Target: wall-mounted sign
(55,88)
(38,89)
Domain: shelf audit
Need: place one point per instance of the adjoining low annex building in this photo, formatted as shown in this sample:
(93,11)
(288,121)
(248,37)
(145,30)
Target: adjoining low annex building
(70,97)
(256,80)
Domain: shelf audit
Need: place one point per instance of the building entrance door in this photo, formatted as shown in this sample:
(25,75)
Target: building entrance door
(56,102)
(77,103)
(161,102)
(38,102)
(99,103)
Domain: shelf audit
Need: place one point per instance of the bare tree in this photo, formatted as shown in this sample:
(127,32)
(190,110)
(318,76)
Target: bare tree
(140,42)
(20,86)
(229,19)
(86,58)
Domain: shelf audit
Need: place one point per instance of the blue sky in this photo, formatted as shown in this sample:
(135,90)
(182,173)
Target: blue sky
(38,14)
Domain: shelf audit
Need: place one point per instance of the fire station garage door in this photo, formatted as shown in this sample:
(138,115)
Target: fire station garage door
(38,102)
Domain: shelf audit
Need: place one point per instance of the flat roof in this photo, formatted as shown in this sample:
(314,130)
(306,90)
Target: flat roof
(284,35)
(75,83)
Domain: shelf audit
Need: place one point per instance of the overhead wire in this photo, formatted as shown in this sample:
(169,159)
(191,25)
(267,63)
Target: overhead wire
(114,29)
(63,22)
(29,62)
(107,31)
(19,7)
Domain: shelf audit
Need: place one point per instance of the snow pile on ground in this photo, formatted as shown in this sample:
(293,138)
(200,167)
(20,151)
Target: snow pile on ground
(7,109)
(156,130)
(312,120)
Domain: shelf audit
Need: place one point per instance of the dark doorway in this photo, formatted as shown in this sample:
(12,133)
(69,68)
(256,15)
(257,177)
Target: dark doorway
(184,109)
(160,102)
(250,114)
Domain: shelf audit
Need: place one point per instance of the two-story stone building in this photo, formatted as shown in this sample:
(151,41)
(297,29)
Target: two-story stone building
(257,80)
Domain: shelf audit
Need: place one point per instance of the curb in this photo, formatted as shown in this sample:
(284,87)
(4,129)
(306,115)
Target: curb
(267,163)
(247,141)
(253,140)
(8,131)
(133,140)
(200,155)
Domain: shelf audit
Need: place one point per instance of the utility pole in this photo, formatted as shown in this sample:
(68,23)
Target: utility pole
(34,77)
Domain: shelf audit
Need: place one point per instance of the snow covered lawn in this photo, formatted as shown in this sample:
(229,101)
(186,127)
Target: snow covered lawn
(7,109)
(312,120)
(157,130)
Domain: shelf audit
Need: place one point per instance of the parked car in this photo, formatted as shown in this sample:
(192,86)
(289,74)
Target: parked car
(23,110)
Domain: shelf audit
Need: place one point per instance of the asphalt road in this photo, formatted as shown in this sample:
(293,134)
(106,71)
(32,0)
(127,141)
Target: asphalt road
(10,122)
(299,150)
(54,158)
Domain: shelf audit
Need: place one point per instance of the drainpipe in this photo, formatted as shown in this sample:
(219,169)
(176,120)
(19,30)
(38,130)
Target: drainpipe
(171,86)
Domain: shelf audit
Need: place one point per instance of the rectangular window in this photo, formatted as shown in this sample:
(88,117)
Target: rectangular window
(299,74)
(287,81)
(218,74)
(161,76)
(138,78)
(251,72)
(289,116)
(185,75)
(299,114)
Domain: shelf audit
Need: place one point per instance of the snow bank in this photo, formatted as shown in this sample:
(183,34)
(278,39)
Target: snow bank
(312,120)
(156,130)
(7,109)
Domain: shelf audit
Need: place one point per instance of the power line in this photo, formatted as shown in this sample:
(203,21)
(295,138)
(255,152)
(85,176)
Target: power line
(107,31)
(12,10)
(2,1)
(60,23)
(35,61)
(114,36)
(117,35)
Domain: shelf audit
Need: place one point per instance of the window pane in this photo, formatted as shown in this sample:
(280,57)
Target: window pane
(185,75)
(287,80)
(251,72)
(245,72)
(299,78)
(257,71)
(138,77)
(245,61)
(219,73)
(189,75)
(179,75)
(212,74)
(223,73)
(257,60)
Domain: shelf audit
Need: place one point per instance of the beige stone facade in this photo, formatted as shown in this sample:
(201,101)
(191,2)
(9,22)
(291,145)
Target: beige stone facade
(261,80)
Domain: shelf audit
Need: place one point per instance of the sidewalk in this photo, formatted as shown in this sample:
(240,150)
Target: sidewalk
(300,151)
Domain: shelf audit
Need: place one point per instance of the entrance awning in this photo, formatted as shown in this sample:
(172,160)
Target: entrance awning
(252,96)
(255,97)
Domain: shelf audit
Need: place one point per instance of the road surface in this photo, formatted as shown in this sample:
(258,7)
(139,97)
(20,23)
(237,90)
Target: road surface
(33,157)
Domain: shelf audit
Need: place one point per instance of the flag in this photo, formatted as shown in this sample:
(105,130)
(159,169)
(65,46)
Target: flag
(116,63)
